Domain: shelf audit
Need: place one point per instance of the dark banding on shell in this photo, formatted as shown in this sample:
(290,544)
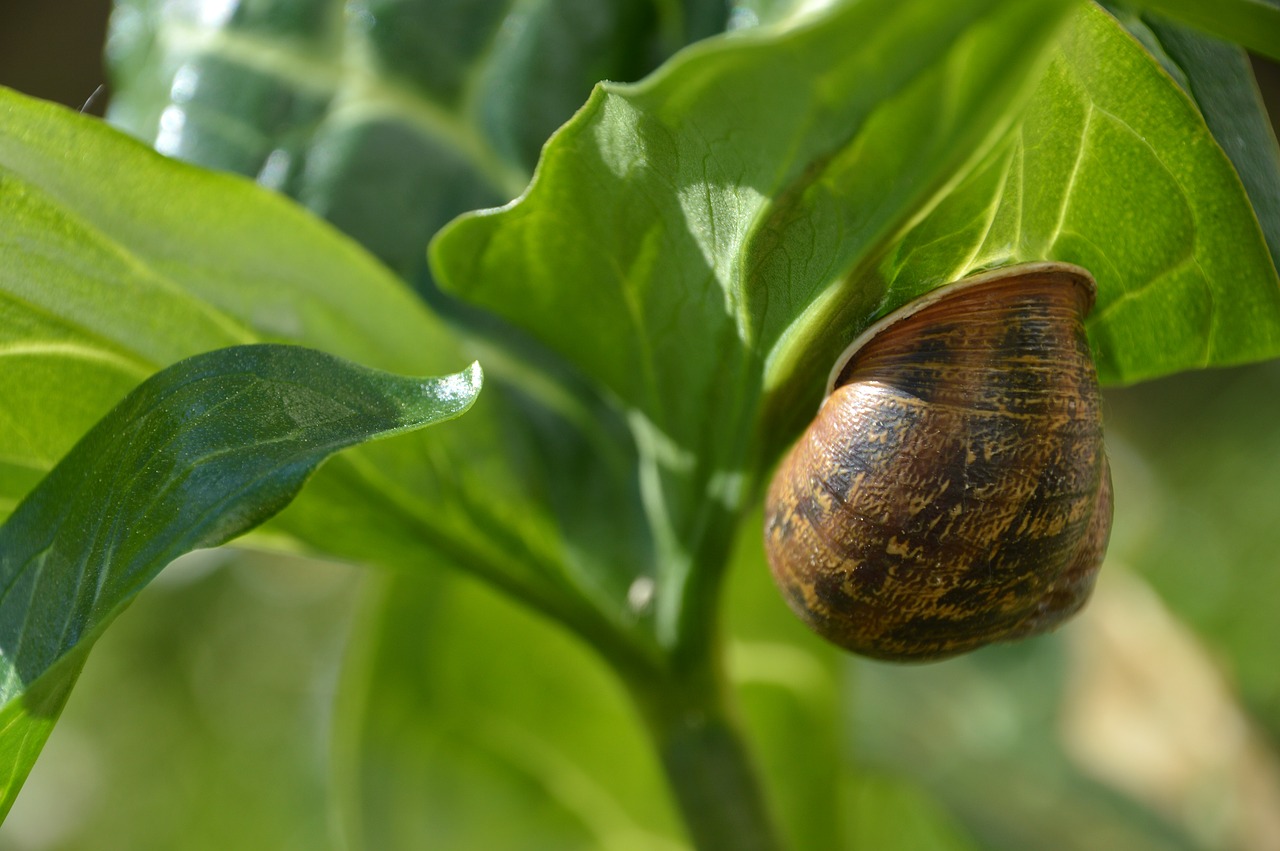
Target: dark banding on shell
(953,489)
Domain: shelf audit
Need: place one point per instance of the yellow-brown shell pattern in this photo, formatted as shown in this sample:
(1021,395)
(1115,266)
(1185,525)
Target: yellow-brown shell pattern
(953,489)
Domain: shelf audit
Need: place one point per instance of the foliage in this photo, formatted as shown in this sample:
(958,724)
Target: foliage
(195,456)
(653,313)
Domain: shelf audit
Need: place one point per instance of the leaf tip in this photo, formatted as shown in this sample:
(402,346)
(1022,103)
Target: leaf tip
(458,392)
(474,375)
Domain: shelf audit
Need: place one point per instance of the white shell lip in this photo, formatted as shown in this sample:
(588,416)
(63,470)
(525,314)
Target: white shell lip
(934,296)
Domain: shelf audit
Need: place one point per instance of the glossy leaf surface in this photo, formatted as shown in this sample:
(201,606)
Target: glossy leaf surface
(119,262)
(197,455)
(314,99)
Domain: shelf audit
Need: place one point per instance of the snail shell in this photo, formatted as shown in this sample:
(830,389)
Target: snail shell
(953,489)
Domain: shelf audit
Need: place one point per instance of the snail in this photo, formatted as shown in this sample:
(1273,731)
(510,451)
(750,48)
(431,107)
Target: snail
(953,490)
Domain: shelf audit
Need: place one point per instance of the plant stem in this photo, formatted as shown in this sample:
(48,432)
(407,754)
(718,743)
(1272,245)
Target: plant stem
(710,772)
(716,787)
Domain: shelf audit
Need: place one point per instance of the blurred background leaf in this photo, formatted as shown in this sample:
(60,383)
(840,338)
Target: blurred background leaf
(202,719)
(469,723)
(387,117)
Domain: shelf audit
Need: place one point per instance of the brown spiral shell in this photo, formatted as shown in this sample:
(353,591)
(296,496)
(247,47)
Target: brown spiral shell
(953,489)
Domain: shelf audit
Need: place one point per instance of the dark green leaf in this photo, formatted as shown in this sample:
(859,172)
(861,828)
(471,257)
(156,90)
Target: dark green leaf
(316,100)
(198,454)
(1255,24)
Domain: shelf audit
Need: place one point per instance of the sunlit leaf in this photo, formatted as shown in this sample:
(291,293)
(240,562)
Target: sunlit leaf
(197,455)
(119,262)
(1113,169)
(679,229)
(1218,76)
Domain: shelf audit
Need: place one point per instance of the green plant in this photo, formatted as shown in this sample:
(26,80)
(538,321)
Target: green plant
(655,315)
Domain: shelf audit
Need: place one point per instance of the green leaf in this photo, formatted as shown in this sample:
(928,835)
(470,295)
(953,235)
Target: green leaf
(197,455)
(467,723)
(1218,76)
(678,228)
(1255,24)
(1114,169)
(315,100)
(647,206)
(119,262)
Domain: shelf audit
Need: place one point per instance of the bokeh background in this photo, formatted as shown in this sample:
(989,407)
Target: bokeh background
(201,720)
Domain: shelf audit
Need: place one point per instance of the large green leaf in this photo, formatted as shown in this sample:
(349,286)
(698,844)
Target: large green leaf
(119,262)
(1114,169)
(197,455)
(658,213)
(702,244)
(316,98)
(778,250)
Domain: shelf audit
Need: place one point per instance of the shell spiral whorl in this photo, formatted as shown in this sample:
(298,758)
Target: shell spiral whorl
(953,489)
